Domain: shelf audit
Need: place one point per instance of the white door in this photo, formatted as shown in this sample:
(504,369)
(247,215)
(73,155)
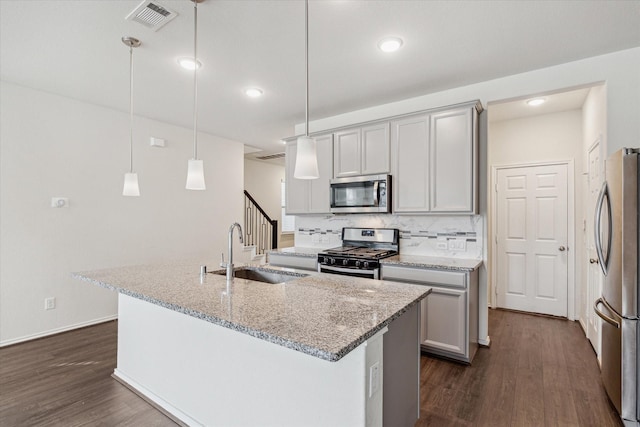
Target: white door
(594,274)
(532,230)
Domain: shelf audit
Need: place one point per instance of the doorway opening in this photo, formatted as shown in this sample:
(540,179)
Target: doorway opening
(562,130)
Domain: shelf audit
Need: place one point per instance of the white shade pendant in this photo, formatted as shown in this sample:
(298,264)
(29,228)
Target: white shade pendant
(306,156)
(306,159)
(195,175)
(195,170)
(131,187)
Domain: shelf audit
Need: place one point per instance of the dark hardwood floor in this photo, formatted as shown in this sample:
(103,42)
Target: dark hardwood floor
(538,371)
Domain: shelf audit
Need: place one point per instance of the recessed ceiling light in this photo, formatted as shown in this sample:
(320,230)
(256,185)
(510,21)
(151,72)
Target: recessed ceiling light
(390,44)
(536,101)
(253,92)
(189,63)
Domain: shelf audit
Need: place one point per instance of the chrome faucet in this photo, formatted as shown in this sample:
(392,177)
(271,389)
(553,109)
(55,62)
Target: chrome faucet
(229,264)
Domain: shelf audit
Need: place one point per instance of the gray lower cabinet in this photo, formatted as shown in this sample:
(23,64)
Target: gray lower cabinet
(449,322)
(293,261)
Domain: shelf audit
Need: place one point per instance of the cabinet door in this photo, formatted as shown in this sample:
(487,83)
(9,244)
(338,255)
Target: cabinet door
(444,321)
(346,152)
(297,190)
(452,161)
(410,163)
(320,201)
(375,149)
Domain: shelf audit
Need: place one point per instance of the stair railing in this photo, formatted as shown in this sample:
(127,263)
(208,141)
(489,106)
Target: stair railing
(259,229)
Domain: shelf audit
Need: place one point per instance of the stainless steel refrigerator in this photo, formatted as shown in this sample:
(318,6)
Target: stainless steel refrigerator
(617,234)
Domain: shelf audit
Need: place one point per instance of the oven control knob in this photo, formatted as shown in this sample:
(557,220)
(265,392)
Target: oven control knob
(345,262)
(358,263)
(323,260)
(366,264)
(332,260)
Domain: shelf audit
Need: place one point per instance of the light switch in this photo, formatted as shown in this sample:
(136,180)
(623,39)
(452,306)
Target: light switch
(157,142)
(59,202)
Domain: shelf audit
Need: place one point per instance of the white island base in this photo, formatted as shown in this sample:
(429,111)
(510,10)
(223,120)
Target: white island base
(205,374)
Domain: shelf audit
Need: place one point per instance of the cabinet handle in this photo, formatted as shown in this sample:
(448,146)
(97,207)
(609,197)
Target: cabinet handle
(562,248)
(593,261)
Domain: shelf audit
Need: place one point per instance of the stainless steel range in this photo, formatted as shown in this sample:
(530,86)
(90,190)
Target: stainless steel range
(360,253)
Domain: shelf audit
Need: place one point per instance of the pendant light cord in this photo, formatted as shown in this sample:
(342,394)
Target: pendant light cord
(306,64)
(131,109)
(195,79)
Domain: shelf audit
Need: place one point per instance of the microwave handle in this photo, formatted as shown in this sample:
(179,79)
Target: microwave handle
(376,193)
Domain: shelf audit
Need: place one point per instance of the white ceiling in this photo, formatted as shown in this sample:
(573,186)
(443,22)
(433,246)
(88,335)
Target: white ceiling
(73,48)
(554,103)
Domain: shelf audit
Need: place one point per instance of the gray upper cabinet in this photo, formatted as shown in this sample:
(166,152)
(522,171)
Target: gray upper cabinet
(409,160)
(452,165)
(361,151)
(320,197)
(309,196)
(346,153)
(434,161)
(432,157)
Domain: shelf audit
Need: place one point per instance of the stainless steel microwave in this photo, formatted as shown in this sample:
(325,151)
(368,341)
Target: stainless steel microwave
(361,194)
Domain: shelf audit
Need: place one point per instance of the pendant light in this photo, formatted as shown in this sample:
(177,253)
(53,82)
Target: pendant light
(131,187)
(195,171)
(306,157)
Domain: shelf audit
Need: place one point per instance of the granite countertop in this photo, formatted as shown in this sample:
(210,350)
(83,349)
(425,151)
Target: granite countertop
(455,264)
(323,315)
(297,251)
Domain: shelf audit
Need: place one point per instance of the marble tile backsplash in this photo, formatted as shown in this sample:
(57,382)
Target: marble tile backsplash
(443,236)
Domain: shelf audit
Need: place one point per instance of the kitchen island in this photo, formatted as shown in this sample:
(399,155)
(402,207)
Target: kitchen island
(313,349)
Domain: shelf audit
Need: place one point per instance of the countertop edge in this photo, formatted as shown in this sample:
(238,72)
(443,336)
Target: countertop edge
(293,345)
(430,265)
(309,253)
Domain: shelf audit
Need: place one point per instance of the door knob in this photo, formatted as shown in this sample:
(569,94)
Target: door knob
(593,261)
(562,248)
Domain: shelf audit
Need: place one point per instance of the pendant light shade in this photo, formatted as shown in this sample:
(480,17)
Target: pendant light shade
(195,175)
(131,187)
(306,156)
(195,171)
(306,159)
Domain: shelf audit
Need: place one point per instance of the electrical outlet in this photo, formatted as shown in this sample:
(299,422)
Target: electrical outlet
(374,378)
(49,303)
(457,245)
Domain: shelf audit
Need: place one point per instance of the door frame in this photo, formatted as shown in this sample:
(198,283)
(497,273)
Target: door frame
(571,228)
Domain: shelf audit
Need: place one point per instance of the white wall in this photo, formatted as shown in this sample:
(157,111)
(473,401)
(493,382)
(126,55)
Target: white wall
(263,181)
(544,138)
(56,146)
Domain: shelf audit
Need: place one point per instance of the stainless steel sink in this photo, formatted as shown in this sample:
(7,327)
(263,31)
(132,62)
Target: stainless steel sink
(262,275)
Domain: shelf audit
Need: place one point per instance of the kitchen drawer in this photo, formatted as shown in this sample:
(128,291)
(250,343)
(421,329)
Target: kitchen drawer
(425,276)
(293,261)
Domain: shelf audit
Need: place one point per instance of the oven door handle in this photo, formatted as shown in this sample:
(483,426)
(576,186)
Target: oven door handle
(371,273)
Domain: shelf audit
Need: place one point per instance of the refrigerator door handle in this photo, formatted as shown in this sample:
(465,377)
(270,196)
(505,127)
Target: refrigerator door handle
(603,261)
(609,320)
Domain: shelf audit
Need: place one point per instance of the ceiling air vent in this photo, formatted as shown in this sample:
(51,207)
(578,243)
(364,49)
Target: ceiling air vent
(152,15)
(271,156)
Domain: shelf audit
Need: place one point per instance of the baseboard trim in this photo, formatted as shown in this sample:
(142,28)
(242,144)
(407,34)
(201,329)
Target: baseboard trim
(56,331)
(170,411)
(485,342)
